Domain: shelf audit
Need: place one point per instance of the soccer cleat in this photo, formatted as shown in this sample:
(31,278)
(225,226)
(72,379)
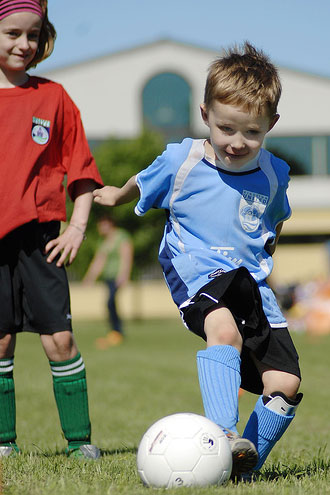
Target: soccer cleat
(87,452)
(244,453)
(9,450)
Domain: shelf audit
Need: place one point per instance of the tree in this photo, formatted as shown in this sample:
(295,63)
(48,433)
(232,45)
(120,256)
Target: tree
(117,161)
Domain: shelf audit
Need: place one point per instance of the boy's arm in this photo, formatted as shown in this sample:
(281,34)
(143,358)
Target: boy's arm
(115,196)
(271,247)
(68,243)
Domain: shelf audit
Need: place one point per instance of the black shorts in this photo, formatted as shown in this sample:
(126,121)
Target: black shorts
(34,294)
(238,291)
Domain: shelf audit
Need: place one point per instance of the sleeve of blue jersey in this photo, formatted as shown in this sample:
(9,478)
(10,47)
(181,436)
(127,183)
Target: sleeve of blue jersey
(283,209)
(156,181)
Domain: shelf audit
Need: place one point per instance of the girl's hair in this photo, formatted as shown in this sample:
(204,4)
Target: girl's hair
(46,39)
(244,76)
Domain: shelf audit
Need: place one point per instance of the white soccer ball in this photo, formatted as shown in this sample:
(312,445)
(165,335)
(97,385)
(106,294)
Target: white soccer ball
(184,449)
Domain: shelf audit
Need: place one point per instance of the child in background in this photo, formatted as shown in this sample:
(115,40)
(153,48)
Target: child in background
(42,141)
(113,263)
(225,201)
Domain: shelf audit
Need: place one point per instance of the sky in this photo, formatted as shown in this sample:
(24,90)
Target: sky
(294,33)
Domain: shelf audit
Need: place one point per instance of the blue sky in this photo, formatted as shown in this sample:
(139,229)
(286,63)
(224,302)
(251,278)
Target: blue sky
(294,33)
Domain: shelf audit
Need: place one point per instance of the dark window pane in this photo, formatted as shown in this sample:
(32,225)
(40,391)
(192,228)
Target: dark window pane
(296,151)
(166,105)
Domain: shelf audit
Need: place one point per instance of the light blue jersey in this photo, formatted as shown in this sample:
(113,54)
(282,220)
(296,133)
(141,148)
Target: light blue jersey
(216,220)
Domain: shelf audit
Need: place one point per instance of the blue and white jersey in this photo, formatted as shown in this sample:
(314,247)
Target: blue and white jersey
(216,220)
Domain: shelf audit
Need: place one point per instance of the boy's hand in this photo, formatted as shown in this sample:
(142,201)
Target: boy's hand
(107,196)
(115,196)
(66,244)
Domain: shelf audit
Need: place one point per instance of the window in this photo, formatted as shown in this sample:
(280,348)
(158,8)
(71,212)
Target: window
(166,106)
(296,151)
(305,154)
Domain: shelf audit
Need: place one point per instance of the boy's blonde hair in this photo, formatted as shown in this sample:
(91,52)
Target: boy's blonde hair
(46,39)
(244,76)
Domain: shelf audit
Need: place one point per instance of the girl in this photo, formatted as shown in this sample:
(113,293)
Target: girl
(42,141)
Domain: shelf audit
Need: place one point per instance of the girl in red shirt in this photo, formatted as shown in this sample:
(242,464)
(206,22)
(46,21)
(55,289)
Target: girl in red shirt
(42,141)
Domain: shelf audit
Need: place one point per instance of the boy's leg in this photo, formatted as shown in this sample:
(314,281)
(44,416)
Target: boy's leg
(219,368)
(7,396)
(271,417)
(219,378)
(70,390)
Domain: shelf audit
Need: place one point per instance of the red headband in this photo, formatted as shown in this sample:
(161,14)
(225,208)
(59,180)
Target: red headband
(9,7)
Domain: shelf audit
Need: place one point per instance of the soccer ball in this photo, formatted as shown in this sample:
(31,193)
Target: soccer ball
(184,449)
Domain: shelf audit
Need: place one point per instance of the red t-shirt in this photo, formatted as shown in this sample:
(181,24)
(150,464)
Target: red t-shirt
(42,140)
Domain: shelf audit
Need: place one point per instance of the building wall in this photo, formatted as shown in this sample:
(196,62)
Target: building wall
(304,105)
(108,90)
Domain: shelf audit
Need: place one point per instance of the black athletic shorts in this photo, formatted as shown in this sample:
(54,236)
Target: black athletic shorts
(238,291)
(34,294)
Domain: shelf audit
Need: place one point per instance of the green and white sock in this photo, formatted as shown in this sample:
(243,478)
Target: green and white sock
(70,390)
(7,401)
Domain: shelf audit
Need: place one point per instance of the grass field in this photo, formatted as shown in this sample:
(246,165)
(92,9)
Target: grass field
(151,375)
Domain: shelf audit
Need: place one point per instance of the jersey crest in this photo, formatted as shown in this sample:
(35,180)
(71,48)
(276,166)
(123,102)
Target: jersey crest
(40,130)
(251,209)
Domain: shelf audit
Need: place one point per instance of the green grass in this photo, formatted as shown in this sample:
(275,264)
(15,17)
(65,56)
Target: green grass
(151,375)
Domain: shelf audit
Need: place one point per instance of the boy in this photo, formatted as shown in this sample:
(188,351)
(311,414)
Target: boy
(225,199)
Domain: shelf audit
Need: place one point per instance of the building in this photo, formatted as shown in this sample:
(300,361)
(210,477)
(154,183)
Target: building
(161,84)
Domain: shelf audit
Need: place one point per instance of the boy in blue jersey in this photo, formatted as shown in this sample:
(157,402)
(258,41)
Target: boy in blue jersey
(225,201)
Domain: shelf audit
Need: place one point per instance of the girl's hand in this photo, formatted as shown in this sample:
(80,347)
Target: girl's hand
(66,244)
(107,196)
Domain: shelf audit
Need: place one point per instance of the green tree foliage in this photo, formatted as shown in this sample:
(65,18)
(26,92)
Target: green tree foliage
(117,161)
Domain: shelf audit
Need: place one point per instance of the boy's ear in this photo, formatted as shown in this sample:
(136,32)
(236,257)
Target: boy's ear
(273,121)
(204,113)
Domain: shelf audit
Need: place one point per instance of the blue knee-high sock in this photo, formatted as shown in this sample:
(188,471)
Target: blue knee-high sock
(264,428)
(219,380)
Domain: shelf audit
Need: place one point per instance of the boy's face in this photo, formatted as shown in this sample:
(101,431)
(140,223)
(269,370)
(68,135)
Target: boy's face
(236,135)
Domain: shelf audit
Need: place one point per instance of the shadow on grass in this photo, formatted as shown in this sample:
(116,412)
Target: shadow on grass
(104,452)
(318,466)
(123,450)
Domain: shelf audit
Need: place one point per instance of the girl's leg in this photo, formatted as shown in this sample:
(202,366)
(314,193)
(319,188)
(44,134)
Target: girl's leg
(274,410)
(7,396)
(70,390)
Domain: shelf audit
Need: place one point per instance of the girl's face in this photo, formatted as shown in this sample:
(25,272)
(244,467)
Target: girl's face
(19,38)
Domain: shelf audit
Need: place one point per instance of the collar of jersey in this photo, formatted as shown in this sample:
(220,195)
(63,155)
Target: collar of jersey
(248,168)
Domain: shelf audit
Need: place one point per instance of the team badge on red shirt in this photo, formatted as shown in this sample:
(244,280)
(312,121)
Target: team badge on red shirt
(40,130)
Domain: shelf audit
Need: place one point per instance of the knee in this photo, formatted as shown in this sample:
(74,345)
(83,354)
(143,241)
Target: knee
(7,345)
(291,386)
(278,381)
(221,329)
(63,340)
(59,346)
